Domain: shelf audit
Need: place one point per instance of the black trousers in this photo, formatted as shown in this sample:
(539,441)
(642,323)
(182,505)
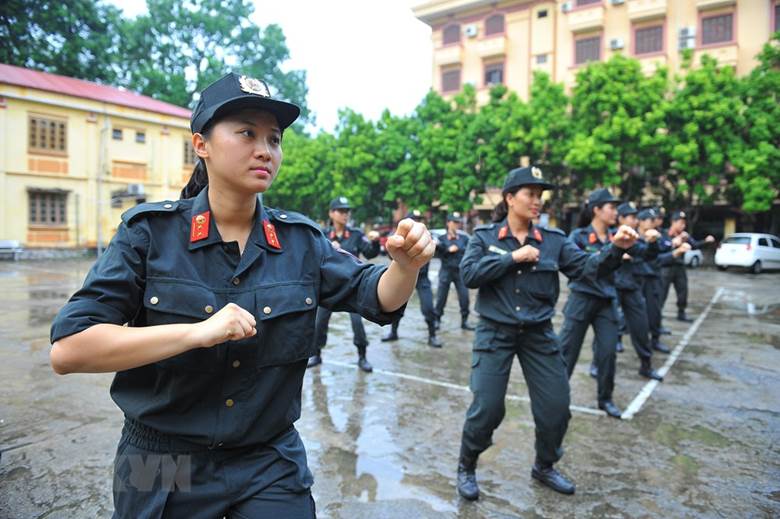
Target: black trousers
(580,312)
(635,313)
(675,275)
(155,479)
(538,350)
(651,290)
(321,329)
(447,276)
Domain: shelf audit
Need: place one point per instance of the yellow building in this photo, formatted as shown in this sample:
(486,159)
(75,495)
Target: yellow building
(74,155)
(483,42)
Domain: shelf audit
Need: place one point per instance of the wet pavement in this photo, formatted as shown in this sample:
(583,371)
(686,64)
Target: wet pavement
(384,445)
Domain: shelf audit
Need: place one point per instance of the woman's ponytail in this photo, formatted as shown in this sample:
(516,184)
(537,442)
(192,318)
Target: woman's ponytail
(198,180)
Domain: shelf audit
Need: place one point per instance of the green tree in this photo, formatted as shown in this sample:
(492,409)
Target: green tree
(76,38)
(614,126)
(758,155)
(178,48)
(705,121)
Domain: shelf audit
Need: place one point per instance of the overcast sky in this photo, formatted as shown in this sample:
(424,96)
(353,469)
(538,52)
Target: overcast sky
(365,54)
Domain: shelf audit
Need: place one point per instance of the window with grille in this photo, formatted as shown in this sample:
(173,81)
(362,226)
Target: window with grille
(450,80)
(116,134)
(494,74)
(717,29)
(48,207)
(50,135)
(649,39)
(542,13)
(451,34)
(140,137)
(541,59)
(190,159)
(587,49)
(494,25)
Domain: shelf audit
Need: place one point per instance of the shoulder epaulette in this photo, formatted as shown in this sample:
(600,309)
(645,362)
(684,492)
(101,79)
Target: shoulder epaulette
(553,230)
(292,217)
(166,206)
(485,227)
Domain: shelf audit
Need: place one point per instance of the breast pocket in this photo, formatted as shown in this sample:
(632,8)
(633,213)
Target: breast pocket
(543,283)
(173,301)
(286,314)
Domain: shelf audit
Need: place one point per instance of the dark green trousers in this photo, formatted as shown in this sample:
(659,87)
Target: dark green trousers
(537,349)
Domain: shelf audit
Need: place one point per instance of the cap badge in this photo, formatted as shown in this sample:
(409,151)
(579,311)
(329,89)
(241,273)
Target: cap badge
(536,173)
(682,214)
(343,200)
(254,86)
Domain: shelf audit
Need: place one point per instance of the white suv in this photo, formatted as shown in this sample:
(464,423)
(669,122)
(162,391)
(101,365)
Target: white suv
(752,250)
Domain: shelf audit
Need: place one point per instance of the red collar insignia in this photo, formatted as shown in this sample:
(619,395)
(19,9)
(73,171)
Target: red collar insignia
(199,228)
(537,235)
(592,238)
(503,232)
(270,235)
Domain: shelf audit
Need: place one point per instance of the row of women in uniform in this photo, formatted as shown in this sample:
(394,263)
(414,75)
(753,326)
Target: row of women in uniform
(205,308)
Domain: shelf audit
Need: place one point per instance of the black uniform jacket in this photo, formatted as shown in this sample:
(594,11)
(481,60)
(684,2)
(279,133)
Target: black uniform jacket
(526,293)
(451,260)
(168,264)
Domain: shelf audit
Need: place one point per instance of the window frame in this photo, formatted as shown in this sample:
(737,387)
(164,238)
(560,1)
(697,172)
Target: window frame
(444,32)
(56,205)
(645,26)
(61,134)
(187,146)
(503,25)
(599,36)
(706,15)
(486,65)
(444,71)
(142,135)
(114,131)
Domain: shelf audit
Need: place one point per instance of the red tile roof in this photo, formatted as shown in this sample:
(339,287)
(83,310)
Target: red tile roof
(25,77)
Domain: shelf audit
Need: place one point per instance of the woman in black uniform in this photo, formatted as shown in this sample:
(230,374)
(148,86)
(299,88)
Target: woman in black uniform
(219,295)
(515,266)
(592,302)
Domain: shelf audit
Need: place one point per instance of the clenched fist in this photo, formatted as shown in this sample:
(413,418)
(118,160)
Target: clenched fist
(682,249)
(232,323)
(625,237)
(411,246)
(526,254)
(652,235)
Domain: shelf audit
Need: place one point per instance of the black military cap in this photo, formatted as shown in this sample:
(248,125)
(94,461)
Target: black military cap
(340,203)
(626,208)
(646,214)
(233,92)
(600,197)
(454,217)
(415,215)
(526,177)
(679,215)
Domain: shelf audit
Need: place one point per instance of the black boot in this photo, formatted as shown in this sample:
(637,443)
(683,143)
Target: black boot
(362,361)
(314,360)
(467,475)
(546,474)
(646,370)
(433,341)
(682,317)
(392,335)
(464,323)
(657,345)
(609,407)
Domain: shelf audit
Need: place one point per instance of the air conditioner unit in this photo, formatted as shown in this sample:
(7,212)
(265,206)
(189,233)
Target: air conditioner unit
(618,2)
(471,30)
(616,43)
(688,32)
(566,7)
(135,189)
(687,43)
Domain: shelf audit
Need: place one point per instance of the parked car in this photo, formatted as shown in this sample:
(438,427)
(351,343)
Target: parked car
(755,251)
(693,258)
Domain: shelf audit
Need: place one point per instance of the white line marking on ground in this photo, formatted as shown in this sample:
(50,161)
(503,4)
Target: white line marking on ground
(422,380)
(636,405)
